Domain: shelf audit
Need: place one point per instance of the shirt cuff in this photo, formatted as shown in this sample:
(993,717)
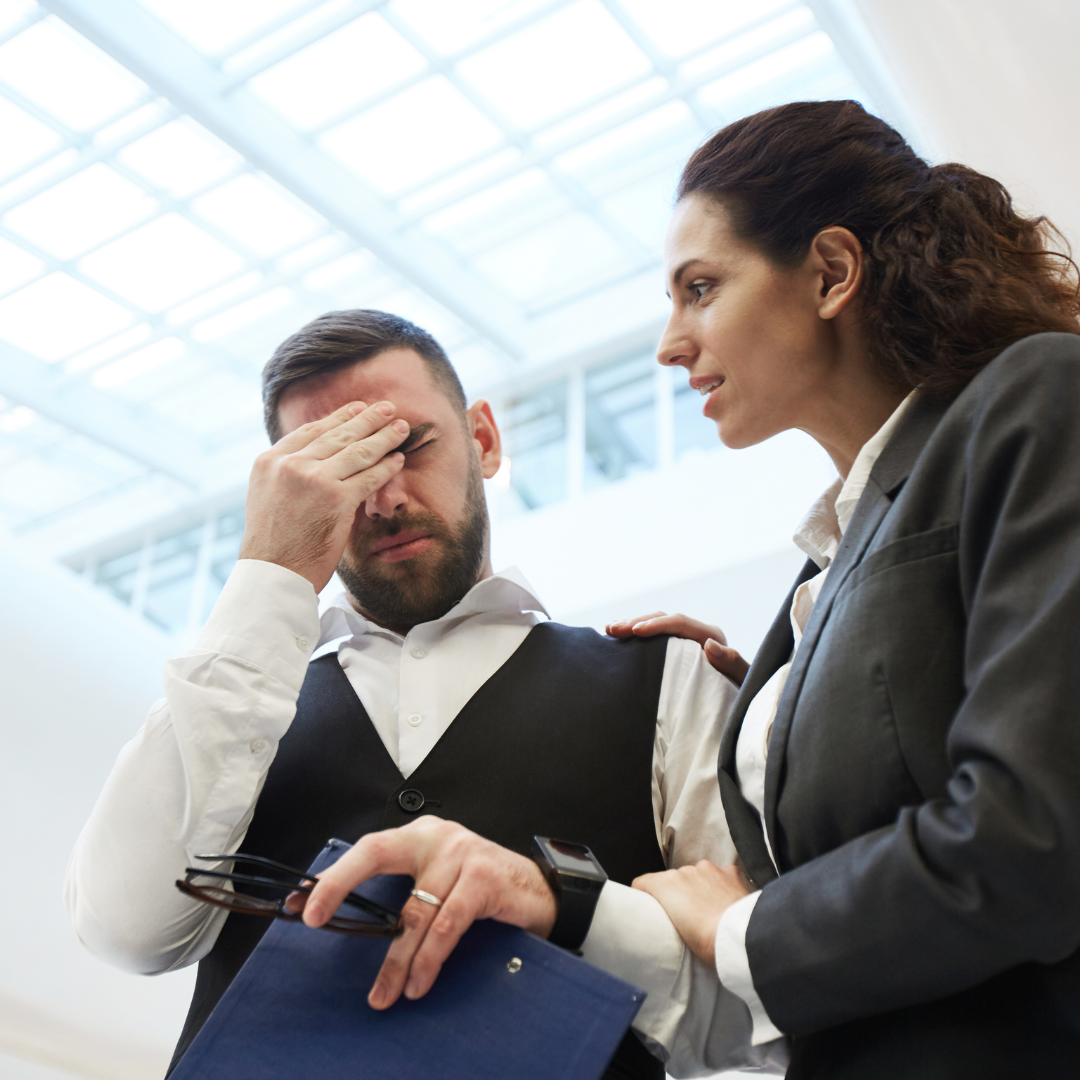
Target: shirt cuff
(632,938)
(733,966)
(266,616)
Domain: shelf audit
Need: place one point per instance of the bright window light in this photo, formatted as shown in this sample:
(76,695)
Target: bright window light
(338,72)
(26,140)
(57,316)
(242,314)
(560,62)
(664,124)
(509,207)
(683,28)
(756,42)
(451,27)
(254,212)
(644,208)
(212,26)
(757,76)
(551,258)
(216,299)
(333,271)
(180,158)
(80,212)
(444,130)
(17,419)
(14,11)
(60,71)
(137,363)
(17,266)
(162,263)
(107,349)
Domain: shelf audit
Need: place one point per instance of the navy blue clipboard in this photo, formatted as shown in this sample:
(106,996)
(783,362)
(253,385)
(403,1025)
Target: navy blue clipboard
(298,1008)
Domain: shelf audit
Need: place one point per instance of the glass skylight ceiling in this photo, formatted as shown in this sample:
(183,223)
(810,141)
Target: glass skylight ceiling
(479,166)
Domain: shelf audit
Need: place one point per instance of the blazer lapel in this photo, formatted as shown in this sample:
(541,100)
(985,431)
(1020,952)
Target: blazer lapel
(743,820)
(886,478)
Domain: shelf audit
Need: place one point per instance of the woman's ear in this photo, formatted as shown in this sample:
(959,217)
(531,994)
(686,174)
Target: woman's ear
(485,435)
(838,261)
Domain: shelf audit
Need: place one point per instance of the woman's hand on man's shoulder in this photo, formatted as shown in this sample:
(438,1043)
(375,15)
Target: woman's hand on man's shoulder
(711,638)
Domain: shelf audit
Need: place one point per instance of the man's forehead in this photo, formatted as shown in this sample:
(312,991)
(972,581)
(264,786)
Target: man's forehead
(398,375)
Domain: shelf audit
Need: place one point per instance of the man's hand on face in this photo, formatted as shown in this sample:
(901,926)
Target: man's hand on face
(306,489)
(473,877)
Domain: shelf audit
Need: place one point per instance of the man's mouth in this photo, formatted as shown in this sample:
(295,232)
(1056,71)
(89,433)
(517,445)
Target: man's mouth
(403,545)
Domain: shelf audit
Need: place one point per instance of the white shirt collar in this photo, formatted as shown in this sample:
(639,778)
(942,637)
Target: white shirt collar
(820,532)
(507,592)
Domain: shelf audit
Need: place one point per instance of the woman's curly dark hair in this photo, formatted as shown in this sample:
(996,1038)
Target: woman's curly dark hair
(954,273)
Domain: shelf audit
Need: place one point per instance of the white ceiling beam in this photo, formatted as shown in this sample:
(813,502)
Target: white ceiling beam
(28,381)
(131,35)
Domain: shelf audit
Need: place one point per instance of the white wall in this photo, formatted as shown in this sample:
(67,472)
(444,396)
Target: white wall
(711,534)
(993,84)
(77,675)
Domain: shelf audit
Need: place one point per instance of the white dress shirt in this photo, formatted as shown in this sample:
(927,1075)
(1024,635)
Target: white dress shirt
(819,536)
(188,782)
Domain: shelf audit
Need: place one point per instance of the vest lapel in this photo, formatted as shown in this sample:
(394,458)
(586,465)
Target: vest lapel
(888,475)
(743,820)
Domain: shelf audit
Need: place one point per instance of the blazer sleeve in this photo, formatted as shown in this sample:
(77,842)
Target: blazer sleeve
(987,877)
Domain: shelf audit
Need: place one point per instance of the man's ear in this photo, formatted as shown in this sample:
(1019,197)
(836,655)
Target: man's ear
(838,262)
(485,435)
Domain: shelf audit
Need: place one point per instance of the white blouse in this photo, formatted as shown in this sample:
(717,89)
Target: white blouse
(818,535)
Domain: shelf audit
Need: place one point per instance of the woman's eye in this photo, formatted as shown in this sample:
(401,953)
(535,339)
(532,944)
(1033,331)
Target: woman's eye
(698,288)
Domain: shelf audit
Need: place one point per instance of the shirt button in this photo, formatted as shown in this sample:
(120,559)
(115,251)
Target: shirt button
(419,654)
(302,643)
(415,720)
(258,746)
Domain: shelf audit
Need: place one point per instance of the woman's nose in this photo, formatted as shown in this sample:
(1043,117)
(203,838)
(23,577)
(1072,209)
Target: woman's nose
(675,347)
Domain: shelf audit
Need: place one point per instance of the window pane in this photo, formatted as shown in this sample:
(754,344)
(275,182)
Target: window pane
(693,430)
(117,575)
(172,575)
(620,420)
(536,447)
(223,555)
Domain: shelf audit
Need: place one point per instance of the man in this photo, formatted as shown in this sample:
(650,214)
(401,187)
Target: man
(431,685)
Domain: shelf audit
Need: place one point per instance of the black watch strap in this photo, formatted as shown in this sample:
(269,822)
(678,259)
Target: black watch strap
(576,879)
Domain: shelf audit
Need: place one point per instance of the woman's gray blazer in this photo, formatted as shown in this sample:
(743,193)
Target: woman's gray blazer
(923,779)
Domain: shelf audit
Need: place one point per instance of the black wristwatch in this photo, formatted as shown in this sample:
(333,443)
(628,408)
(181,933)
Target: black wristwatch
(576,879)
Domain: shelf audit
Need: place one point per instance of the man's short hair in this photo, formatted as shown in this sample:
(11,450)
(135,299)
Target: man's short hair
(340,339)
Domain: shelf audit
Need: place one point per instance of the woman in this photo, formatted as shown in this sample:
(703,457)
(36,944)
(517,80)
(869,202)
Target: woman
(908,732)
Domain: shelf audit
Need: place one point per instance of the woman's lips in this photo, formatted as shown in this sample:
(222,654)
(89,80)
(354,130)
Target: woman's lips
(396,548)
(708,386)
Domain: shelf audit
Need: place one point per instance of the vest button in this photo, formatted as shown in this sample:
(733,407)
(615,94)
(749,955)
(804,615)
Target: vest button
(410,800)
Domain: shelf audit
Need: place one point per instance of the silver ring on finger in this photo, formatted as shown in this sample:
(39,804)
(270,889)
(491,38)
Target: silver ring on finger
(426,897)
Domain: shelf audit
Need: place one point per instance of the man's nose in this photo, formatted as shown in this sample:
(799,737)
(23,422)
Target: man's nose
(389,500)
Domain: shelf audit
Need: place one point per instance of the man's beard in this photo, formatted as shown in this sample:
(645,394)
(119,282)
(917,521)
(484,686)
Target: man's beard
(428,585)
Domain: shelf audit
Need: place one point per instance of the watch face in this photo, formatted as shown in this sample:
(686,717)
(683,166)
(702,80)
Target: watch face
(572,858)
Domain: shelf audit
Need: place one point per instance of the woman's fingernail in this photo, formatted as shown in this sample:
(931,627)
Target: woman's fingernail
(377,997)
(712,645)
(313,913)
(385,408)
(412,988)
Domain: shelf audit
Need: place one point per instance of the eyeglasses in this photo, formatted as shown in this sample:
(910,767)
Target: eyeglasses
(276,889)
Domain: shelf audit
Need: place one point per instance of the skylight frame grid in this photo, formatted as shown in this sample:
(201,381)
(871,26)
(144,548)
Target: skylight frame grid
(514,136)
(679,88)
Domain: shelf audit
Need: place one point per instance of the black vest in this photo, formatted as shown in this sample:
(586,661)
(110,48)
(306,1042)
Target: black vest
(558,742)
